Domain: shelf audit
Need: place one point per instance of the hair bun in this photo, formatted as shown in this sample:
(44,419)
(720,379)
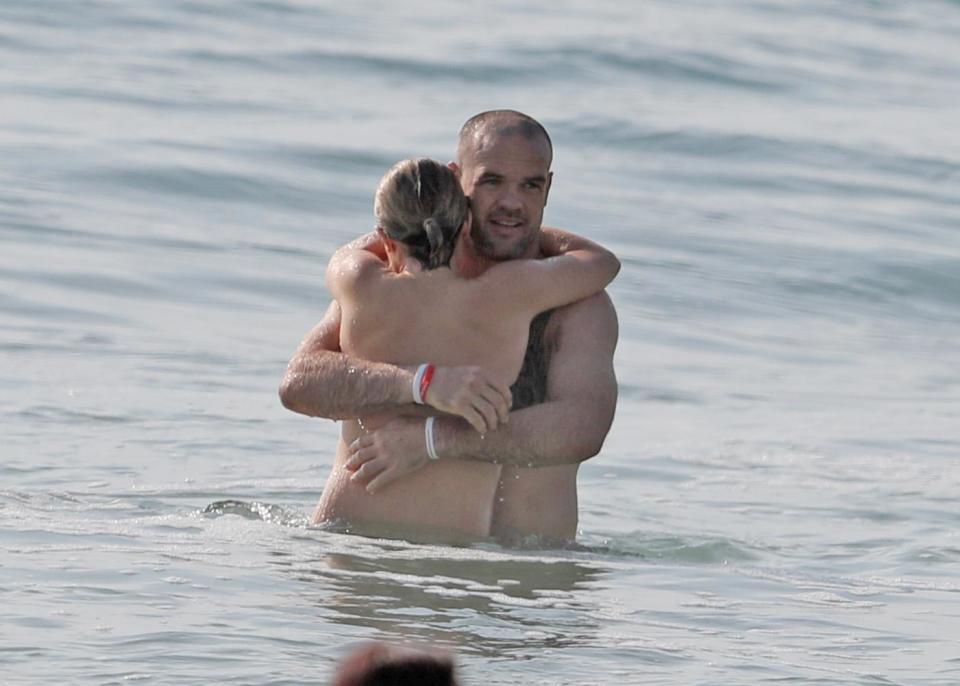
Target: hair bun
(434,234)
(421,204)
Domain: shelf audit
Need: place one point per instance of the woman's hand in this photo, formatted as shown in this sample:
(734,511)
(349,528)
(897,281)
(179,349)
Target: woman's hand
(469,392)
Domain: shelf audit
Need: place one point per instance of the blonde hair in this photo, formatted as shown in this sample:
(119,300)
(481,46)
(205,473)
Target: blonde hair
(420,203)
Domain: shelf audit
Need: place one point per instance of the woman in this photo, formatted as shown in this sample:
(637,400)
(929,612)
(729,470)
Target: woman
(413,309)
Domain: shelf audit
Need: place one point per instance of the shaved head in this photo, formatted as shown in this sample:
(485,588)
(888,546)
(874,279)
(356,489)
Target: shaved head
(482,129)
(503,162)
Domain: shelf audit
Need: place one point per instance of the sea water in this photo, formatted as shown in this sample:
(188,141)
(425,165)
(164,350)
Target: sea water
(777,499)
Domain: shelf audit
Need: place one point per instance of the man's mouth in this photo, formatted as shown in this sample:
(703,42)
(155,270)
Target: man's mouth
(503,222)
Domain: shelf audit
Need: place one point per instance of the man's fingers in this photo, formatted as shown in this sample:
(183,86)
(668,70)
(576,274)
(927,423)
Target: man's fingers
(368,471)
(360,451)
(361,442)
(386,477)
(359,458)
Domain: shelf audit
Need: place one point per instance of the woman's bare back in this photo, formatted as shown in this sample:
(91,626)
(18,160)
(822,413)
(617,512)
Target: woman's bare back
(407,320)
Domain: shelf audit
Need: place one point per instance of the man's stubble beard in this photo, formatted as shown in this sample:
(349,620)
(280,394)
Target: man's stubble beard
(487,248)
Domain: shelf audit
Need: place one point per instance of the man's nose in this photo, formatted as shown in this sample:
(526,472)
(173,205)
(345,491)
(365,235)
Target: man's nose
(510,200)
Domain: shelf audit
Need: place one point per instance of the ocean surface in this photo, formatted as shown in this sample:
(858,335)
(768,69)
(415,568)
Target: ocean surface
(777,502)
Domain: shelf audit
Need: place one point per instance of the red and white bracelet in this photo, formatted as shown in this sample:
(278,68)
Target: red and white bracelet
(421,382)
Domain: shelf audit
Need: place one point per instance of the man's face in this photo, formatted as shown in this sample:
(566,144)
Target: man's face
(507,178)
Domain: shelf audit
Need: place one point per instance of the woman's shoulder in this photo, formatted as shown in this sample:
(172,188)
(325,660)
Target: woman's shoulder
(351,269)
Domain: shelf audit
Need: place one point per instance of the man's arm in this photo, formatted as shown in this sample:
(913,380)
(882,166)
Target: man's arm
(569,427)
(321,381)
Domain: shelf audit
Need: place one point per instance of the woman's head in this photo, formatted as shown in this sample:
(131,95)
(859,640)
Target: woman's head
(420,203)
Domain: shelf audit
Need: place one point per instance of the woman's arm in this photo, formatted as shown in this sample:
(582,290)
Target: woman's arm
(555,242)
(575,268)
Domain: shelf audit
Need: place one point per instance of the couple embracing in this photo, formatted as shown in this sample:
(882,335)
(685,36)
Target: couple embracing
(468,351)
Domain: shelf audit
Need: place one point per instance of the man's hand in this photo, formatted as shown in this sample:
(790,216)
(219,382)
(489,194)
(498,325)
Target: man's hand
(382,456)
(470,393)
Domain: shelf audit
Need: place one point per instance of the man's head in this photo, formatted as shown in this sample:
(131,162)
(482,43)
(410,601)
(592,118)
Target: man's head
(503,159)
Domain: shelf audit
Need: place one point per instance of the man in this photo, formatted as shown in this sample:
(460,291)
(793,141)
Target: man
(565,397)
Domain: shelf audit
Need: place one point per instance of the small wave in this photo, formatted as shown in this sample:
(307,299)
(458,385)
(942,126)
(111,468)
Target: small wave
(46,413)
(255,510)
(817,152)
(209,184)
(714,69)
(678,549)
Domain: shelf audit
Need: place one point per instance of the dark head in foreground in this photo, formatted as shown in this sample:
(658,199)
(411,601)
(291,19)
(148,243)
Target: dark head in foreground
(382,664)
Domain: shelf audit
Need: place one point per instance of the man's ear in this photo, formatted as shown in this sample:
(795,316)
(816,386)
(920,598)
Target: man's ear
(455,168)
(463,248)
(546,191)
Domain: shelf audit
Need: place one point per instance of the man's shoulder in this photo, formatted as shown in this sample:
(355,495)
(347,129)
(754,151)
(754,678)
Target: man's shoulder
(598,303)
(593,314)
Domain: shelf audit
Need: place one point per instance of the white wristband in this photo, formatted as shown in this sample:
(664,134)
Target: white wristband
(417,378)
(428,436)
